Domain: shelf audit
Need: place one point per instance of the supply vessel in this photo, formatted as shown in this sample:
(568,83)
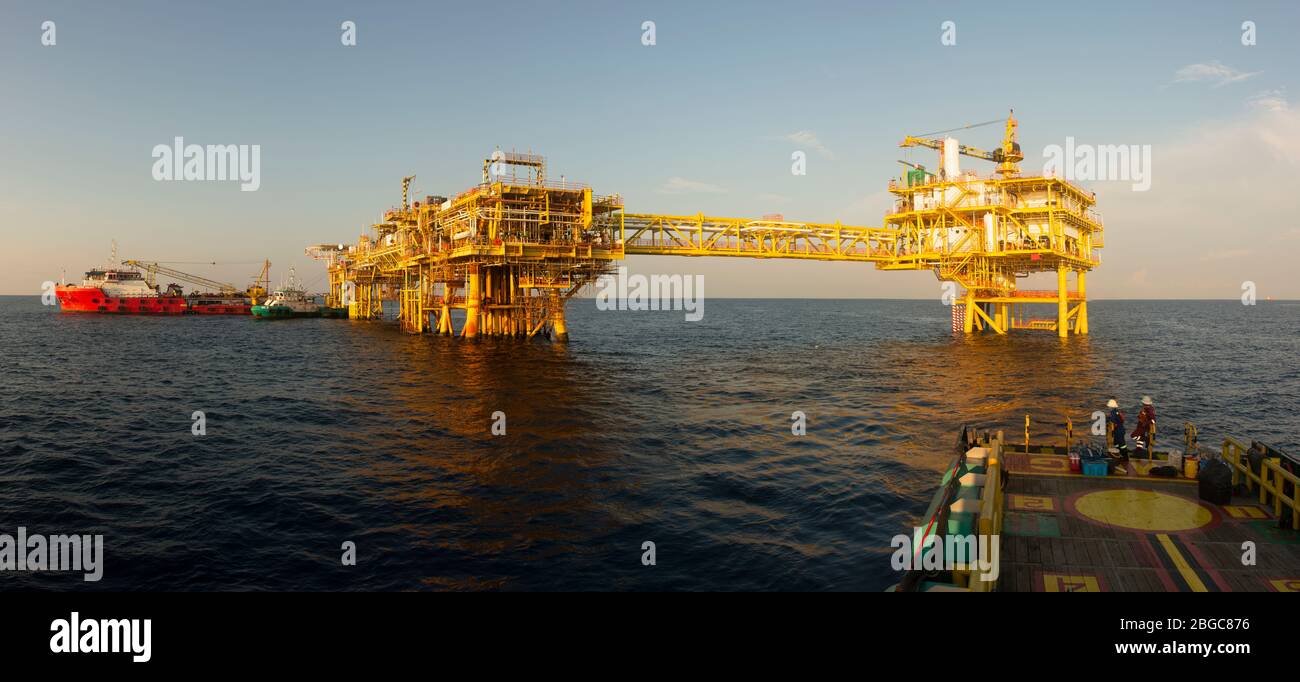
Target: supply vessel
(112,290)
(130,287)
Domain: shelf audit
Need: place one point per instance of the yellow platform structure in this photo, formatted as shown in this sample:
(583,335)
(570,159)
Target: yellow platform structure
(513,249)
(509,252)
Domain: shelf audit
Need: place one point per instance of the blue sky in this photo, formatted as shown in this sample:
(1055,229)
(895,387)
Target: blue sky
(431,88)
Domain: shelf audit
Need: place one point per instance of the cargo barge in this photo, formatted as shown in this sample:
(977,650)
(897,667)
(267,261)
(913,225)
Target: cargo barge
(1190,520)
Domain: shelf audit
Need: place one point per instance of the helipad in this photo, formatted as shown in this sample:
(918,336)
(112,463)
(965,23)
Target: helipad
(1143,510)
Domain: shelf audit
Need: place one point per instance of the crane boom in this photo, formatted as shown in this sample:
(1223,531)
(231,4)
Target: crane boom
(261,284)
(152,270)
(1008,156)
(965,150)
(255,291)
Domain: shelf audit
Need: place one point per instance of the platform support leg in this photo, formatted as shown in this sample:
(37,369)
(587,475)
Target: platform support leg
(1081,323)
(473,299)
(444,315)
(559,330)
(1062,303)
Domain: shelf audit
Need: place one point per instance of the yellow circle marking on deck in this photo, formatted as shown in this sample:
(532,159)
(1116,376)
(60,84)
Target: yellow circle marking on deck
(1145,510)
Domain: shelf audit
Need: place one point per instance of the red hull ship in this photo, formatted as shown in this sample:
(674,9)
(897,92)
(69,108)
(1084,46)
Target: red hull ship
(84,299)
(113,291)
(219,305)
(119,291)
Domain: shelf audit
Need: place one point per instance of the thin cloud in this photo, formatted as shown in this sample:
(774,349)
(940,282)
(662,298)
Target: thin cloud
(772,197)
(1225,255)
(1200,172)
(679,185)
(807,138)
(1269,100)
(1217,73)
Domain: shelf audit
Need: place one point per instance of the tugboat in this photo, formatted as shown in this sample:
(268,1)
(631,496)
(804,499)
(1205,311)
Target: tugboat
(290,300)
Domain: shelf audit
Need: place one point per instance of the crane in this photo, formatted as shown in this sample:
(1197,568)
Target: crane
(1008,156)
(256,290)
(261,283)
(406,185)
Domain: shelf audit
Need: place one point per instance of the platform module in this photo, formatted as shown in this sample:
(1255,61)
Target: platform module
(513,249)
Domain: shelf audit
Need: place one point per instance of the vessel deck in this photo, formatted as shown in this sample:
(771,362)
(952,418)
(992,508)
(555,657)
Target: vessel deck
(1064,532)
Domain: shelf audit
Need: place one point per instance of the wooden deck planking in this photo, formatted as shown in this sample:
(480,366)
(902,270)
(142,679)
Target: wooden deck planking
(1128,559)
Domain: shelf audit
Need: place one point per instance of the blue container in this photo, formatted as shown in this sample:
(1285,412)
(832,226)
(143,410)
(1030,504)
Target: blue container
(1095,467)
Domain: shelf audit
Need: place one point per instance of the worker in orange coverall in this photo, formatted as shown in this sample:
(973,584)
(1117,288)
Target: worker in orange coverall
(1146,424)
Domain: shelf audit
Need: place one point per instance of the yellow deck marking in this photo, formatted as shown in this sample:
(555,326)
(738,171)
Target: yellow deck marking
(1058,465)
(1244,512)
(1184,568)
(1144,510)
(1145,481)
(1032,503)
(1070,583)
(1049,465)
(1289,585)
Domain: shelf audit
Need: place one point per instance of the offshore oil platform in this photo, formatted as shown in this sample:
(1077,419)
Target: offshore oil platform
(513,249)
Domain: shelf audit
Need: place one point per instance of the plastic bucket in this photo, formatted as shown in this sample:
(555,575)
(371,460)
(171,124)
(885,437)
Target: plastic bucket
(1190,467)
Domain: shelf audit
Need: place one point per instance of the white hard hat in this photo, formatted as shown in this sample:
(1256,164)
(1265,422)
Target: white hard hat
(1146,400)
(1112,403)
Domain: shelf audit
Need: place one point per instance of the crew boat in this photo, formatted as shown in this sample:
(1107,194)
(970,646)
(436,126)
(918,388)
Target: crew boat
(290,300)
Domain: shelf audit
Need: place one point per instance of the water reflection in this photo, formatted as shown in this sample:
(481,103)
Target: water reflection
(527,494)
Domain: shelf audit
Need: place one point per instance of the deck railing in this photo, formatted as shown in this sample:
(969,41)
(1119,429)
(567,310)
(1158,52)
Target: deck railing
(990,516)
(1271,479)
